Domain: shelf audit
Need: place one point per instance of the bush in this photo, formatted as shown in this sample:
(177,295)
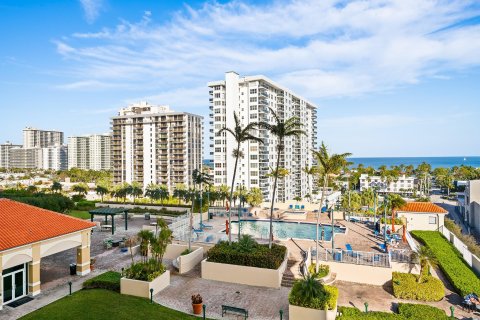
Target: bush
(162,211)
(258,255)
(144,271)
(421,311)
(53,202)
(389,221)
(309,293)
(405,286)
(109,280)
(450,261)
(185,252)
(323,270)
(350,313)
(85,205)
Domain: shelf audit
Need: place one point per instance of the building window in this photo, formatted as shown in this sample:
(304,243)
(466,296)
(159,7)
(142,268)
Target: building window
(253,99)
(432,220)
(253,91)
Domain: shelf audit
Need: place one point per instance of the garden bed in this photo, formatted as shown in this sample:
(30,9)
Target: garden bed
(406,311)
(141,288)
(405,286)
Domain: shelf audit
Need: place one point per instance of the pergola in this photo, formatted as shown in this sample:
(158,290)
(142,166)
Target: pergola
(112,212)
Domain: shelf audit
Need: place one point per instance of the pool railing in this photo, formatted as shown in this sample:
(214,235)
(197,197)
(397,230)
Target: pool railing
(354,257)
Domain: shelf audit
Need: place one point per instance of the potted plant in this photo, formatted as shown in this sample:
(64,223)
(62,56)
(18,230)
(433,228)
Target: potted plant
(197,303)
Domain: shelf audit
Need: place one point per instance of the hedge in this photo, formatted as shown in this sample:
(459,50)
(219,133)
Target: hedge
(162,211)
(450,260)
(405,286)
(259,256)
(109,280)
(406,311)
(327,300)
(53,202)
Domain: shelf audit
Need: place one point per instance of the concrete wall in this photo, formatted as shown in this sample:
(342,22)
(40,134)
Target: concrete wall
(174,250)
(252,276)
(189,261)
(301,313)
(420,221)
(367,274)
(142,288)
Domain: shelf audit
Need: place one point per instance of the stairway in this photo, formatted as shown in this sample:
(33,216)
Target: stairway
(288,278)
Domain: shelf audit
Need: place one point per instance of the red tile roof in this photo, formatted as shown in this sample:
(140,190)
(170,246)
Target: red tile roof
(422,207)
(21,224)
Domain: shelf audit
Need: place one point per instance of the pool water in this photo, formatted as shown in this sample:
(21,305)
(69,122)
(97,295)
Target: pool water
(284,230)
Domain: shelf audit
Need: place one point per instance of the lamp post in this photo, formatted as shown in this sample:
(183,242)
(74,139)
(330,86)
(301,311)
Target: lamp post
(240,207)
(385,204)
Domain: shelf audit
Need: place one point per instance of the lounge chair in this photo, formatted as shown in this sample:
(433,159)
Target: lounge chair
(209,238)
(290,206)
(205,226)
(349,247)
(382,247)
(302,207)
(197,230)
(297,207)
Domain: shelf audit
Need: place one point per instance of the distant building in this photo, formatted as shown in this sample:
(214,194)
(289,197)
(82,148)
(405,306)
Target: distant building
(5,153)
(422,216)
(153,144)
(36,138)
(250,98)
(26,158)
(90,152)
(471,212)
(54,158)
(404,184)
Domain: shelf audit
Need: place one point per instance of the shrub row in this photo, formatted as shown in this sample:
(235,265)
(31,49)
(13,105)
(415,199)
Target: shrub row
(109,280)
(162,211)
(85,205)
(405,286)
(53,202)
(259,255)
(326,300)
(406,311)
(451,262)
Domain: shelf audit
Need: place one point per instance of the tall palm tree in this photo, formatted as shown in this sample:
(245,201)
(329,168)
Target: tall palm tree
(395,203)
(240,134)
(152,192)
(310,171)
(101,190)
(328,165)
(426,258)
(135,190)
(281,129)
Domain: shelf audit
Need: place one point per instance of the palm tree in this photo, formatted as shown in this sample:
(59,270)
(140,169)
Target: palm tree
(328,165)
(80,189)
(395,203)
(32,188)
(135,190)
(163,193)
(426,257)
(223,191)
(179,192)
(310,171)
(240,134)
(280,129)
(101,191)
(56,187)
(152,192)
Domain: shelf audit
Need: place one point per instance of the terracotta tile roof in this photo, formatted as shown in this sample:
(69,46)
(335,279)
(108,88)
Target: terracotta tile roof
(21,224)
(422,207)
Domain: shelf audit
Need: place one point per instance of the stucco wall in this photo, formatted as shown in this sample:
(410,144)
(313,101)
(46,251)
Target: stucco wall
(142,288)
(189,261)
(420,221)
(244,275)
(301,313)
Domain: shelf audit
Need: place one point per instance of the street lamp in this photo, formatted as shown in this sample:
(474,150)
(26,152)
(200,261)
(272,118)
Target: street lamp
(385,204)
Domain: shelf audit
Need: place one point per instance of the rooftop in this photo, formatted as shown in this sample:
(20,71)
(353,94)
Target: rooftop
(422,207)
(22,224)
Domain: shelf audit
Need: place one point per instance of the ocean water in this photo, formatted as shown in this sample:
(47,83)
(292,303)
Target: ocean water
(415,161)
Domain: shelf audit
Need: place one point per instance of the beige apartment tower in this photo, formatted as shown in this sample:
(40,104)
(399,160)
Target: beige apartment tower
(250,98)
(153,144)
(36,138)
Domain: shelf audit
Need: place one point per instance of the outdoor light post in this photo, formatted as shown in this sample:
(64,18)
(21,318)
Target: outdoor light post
(385,204)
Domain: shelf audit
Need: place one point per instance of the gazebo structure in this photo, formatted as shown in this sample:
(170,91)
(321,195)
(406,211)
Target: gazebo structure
(112,212)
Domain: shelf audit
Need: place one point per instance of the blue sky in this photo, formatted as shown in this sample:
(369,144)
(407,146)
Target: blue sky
(390,77)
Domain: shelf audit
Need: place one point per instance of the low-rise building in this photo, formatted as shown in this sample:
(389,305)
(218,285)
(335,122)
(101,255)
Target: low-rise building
(403,184)
(471,212)
(422,216)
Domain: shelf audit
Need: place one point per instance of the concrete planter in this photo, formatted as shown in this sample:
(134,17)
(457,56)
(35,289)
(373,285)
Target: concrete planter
(301,313)
(142,288)
(271,278)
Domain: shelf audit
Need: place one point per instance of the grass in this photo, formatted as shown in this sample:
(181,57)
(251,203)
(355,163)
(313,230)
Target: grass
(79,214)
(104,305)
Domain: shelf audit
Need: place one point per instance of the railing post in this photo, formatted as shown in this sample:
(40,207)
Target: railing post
(70,287)
(204,307)
(281,314)
(366,306)
(452,309)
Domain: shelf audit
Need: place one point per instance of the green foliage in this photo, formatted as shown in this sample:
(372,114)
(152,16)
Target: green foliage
(258,255)
(109,280)
(389,221)
(79,214)
(323,270)
(310,293)
(53,202)
(144,271)
(80,175)
(468,240)
(254,197)
(84,205)
(405,286)
(421,311)
(450,261)
(78,197)
(185,252)
(161,212)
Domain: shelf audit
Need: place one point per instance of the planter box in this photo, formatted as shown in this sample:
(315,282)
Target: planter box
(271,278)
(142,288)
(301,313)
(134,250)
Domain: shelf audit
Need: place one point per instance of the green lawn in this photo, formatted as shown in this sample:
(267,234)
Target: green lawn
(103,304)
(79,214)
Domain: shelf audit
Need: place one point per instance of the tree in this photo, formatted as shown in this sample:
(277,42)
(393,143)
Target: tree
(426,257)
(223,191)
(32,188)
(56,187)
(163,193)
(309,171)
(328,165)
(135,190)
(368,197)
(146,237)
(153,192)
(351,200)
(444,178)
(254,197)
(80,189)
(280,129)
(179,192)
(101,190)
(240,134)
(395,202)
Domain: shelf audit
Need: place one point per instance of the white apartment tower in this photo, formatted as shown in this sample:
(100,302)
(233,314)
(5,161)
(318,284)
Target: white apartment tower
(5,153)
(36,138)
(90,152)
(250,98)
(153,144)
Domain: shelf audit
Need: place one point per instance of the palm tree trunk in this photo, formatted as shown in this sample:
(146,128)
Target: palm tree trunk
(231,196)
(393,220)
(273,201)
(317,264)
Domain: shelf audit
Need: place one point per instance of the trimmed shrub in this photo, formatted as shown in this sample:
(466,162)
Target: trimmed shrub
(309,293)
(109,280)
(450,260)
(258,255)
(421,311)
(85,205)
(323,270)
(162,211)
(405,286)
(350,313)
(53,202)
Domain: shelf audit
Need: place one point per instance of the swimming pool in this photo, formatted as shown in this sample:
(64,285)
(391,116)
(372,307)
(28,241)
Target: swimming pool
(284,229)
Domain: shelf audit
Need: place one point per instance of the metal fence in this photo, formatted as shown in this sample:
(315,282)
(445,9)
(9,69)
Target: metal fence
(402,255)
(354,257)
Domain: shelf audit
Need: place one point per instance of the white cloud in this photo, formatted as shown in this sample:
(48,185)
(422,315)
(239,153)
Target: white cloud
(319,48)
(92,9)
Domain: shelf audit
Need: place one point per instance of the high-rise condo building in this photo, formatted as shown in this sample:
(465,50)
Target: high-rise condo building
(90,152)
(250,98)
(48,158)
(54,158)
(5,153)
(35,138)
(153,144)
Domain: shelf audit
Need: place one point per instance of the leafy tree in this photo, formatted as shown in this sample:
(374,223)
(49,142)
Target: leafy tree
(56,187)
(179,192)
(240,134)
(81,189)
(368,197)
(152,192)
(254,197)
(309,171)
(395,202)
(32,188)
(444,178)
(426,258)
